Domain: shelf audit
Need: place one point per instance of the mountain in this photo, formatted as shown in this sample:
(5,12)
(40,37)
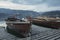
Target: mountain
(4,13)
(52,13)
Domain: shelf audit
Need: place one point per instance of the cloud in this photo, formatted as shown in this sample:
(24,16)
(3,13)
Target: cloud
(11,5)
(29,2)
(44,8)
(53,2)
(15,6)
(29,5)
(36,2)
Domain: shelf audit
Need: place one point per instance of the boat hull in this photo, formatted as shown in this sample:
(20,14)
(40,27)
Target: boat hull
(22,28)
(51,24)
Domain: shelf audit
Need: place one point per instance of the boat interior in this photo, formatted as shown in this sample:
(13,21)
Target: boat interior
(14,19)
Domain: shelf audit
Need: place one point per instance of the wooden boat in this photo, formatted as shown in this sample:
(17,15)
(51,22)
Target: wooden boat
(47,22)
(18,26)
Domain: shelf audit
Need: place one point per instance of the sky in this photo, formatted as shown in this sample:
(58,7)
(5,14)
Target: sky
(34,5)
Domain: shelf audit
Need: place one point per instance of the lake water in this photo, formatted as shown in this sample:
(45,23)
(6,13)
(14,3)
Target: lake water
(37,32)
